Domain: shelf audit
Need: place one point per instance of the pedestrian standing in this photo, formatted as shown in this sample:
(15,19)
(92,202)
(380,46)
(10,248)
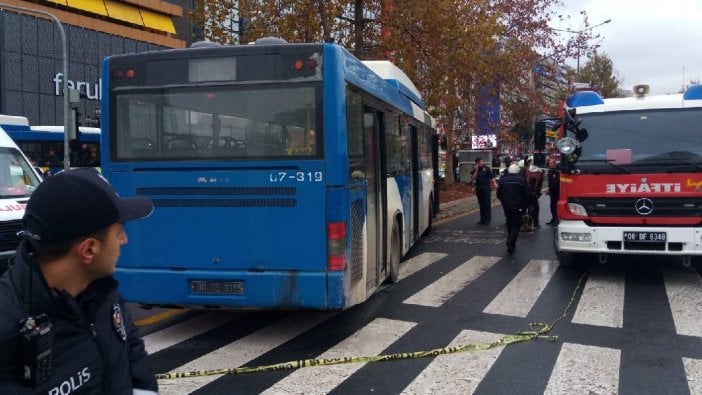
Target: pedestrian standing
(554,188)
(60,304)
(535,179)
(514,193)
(484,181)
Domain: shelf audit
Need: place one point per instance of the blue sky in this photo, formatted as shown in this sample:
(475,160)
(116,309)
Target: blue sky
(651,42)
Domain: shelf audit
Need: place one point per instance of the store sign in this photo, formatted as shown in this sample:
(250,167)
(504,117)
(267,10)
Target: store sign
(86,89)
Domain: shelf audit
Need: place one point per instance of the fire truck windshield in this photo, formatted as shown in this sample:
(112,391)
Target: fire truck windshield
(642,140)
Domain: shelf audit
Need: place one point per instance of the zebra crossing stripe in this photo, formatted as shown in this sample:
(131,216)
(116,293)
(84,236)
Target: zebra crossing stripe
(602,301)
(370,340)
(684,289)
(457,373)
(693,371)
(520,295)
(538,330)
(244,350)
(435,294)
(582,369)
(175,334)
(418,263)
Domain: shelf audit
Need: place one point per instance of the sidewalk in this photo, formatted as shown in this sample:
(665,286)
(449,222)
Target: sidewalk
(460,206)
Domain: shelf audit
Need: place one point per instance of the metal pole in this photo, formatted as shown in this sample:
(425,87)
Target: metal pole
(577,67)
(66,153)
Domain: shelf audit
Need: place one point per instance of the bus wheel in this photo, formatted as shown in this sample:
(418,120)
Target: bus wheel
(395,255)
(430,217)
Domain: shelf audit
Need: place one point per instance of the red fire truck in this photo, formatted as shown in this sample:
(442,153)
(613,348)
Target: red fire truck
(631,176)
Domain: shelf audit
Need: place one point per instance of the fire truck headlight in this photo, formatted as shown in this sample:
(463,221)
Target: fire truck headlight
(566,145)
(577,209)
(584,237)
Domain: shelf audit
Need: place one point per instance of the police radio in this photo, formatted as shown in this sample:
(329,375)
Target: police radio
(37,345)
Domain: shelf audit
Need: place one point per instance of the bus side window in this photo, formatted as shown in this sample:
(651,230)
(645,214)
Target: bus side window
(354,128)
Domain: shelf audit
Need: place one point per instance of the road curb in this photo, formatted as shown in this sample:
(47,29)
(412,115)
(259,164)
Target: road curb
(460,206)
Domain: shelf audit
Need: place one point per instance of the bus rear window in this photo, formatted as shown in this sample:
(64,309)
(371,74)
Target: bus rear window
(218,123)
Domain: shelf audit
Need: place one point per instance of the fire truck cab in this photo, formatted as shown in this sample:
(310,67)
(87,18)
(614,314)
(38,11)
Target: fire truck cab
(631,176)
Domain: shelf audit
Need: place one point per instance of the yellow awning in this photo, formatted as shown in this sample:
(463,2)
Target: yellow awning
(157,21)
(62,2)
(92,6)
(123,12)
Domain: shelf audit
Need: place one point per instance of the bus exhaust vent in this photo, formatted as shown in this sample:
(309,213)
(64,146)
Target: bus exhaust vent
(356,265)
(217,191)
(224,202)
(221,196)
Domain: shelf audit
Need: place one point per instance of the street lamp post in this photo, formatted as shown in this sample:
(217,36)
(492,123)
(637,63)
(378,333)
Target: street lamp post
(66,151)
(577,66)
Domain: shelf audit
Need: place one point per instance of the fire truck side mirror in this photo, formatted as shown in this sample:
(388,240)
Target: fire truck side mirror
(581,134)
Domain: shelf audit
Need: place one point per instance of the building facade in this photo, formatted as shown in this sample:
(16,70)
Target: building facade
(31,53)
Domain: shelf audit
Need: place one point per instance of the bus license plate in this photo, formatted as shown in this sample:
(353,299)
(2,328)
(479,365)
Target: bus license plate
(652,237)
(217,287)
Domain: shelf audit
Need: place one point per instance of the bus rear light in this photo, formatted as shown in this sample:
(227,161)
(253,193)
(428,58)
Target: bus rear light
(311,64)
(336,230)
(336,263)
(129,73)
(298,65)
(336,246)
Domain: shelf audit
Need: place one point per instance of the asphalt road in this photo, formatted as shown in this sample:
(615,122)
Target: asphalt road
(630,326)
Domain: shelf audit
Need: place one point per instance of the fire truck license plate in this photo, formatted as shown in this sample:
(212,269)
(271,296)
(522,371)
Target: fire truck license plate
(652,237)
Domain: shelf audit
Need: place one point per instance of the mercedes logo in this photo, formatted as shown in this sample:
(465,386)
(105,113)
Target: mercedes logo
(644,206)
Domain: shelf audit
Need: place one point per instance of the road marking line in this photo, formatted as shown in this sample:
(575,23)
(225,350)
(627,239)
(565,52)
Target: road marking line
(693,371)
(582,369)
(243,350)
(602,301)
(372,339)
(439,291)
(458,373)
(684,289)
(164,315)
(177,333)
(419,262)
(519,296)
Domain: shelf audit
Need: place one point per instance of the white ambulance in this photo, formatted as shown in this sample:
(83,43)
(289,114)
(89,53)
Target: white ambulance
(18,179)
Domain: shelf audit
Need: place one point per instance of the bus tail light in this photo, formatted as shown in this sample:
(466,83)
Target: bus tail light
(336,246)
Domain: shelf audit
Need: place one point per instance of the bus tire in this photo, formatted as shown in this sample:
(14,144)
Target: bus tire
(430,217)
(395,255)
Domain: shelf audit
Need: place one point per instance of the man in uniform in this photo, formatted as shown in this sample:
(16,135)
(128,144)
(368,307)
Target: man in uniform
(484,180)
(513,192)
(554,186)
(61,309)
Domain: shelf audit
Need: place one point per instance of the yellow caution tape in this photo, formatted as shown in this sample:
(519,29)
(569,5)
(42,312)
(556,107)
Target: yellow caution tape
(539,330)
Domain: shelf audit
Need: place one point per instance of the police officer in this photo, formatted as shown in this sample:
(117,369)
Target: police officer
(514,194)
(484,180)
(62,276)
(554,186)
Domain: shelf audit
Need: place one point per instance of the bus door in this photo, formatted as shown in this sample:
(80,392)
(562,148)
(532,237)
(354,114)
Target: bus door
(372,122)
(415,182)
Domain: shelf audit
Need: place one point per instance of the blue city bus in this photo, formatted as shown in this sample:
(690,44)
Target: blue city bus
(284,176)
(44,146)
